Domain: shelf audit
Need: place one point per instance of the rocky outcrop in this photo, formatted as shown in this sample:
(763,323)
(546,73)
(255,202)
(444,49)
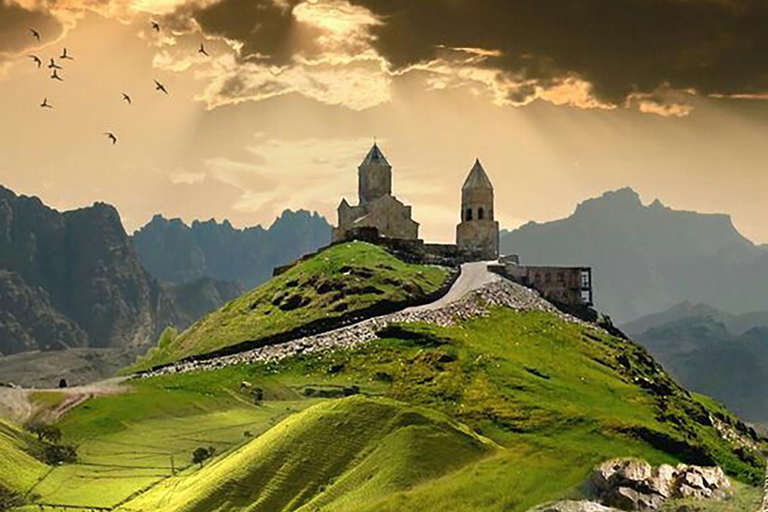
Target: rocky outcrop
(631,484)
(573,506)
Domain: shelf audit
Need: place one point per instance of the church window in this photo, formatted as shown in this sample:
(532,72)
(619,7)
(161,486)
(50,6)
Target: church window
(480,214)
(469,214)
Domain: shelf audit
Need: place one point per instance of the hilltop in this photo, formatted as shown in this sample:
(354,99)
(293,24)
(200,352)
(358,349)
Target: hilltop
(648,258)
(341,281)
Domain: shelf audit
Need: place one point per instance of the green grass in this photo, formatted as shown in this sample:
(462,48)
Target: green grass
(20,469)
(341,279)
(128,442)
(305,461)
(553,397)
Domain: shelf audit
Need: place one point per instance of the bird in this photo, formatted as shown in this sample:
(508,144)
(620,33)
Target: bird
(160,87)
(35,34)
(65,55)
(111,136)
(156,26)
(126,98)
(45,104)
(37,60)
(53,65)
(202,50)
(55,76)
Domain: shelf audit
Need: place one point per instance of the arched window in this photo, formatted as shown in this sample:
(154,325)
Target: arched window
(480,214)
(469,214)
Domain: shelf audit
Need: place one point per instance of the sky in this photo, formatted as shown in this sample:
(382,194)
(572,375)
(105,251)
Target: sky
(561,101)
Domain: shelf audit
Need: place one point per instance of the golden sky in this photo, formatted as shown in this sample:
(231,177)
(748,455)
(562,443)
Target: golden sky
(560,105)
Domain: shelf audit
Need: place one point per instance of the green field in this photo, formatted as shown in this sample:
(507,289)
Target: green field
(498,413)
(341,279)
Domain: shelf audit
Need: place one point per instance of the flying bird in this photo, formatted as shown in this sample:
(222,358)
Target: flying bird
(111,137)
(202,50)
(160,87)
(37,60)
(53,65)
(156,26)
(126,98)
(35,34)
(55,75)
(45,104)
(65,55)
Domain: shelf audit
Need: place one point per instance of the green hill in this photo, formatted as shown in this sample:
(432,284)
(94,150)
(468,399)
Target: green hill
(20,469)
(304,461)
(339,280)
(500,411)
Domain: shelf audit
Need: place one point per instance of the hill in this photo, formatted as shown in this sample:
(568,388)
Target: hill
(342,280)
(73,279)
(649,258)
(387,446)
(495,401)
(175,252)
(721,355)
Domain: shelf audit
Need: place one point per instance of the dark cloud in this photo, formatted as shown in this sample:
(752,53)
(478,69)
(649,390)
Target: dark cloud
(267,28)
(15,22)
(620,46)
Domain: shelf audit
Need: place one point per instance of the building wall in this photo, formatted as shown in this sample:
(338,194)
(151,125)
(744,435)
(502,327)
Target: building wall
(477,204)
(567,285)
(390,217)
(374,181)
(479,237)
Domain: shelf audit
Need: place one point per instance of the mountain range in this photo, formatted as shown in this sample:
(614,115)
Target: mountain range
(175,252)
(712,352)
(648,258)
(73,279)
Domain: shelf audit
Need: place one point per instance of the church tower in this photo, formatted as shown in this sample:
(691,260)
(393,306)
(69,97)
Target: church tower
(374,176)
(477,236)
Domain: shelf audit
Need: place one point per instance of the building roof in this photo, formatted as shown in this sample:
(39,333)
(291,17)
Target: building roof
(375,157)
(477,178)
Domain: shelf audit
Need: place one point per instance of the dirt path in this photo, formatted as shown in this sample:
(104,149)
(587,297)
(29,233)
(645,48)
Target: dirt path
(16,403)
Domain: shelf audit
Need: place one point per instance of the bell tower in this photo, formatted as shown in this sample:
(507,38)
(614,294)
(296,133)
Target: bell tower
(477,236)
(374,176)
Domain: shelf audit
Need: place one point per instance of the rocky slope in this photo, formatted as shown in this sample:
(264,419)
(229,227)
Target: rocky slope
(175,252)
(73,279)
(649,258)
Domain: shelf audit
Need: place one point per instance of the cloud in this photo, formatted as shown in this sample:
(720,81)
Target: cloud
(16,20)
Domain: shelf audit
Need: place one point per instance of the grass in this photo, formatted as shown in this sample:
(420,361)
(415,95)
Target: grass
(20,469)
(341,279)
(547,399)
(131,441)
(304,461)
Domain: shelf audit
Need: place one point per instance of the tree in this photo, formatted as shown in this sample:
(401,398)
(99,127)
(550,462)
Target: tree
(200,455)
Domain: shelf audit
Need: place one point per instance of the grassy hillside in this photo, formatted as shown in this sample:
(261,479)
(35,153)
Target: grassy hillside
(546,400)
(20,469)
(385,446)
(341,279)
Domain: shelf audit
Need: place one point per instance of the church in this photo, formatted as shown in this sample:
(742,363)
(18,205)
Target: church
(378,211)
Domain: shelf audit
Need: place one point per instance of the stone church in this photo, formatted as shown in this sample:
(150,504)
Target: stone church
(477,236)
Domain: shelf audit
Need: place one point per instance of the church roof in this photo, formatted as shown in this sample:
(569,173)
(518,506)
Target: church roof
(375,157)
(477,178)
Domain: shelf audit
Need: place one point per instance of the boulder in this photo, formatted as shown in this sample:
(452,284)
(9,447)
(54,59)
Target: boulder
(573,506)
(631,484)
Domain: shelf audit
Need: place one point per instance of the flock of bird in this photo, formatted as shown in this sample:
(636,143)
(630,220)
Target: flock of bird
(55,68)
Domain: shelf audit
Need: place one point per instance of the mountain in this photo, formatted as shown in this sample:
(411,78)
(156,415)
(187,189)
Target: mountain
(721,355)
(482,401)
(73,279)
(175,252)
(648,258)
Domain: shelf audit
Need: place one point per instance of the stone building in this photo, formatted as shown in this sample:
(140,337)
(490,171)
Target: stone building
(564,285)
(477,235)
(377,208)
